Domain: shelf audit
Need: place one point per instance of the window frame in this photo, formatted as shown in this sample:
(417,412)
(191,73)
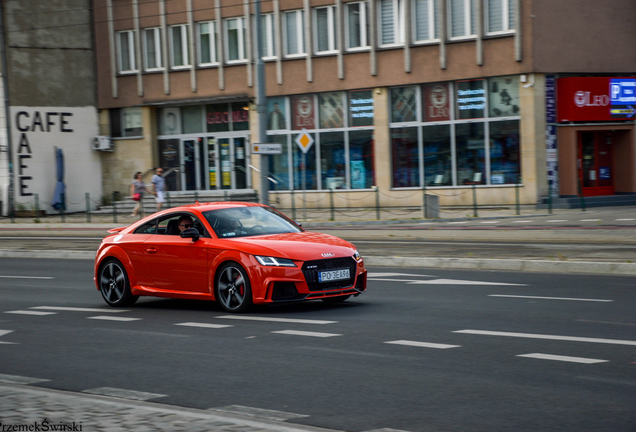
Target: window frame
(398,23)
(159,49)
(268,27)
(132,60)
(332,40)
(214,58)
(507,7)
(433,26)
(300,37)
(469,13)
(241,40)
(365,42)
(185,52)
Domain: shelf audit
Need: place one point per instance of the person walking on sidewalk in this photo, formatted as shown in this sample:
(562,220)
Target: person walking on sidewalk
(159,187)
(137,190)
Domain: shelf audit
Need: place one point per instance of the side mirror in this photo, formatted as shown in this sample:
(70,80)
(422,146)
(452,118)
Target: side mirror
(190,233)
(298,223)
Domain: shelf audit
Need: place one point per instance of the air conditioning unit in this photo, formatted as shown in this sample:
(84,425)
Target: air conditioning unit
(102,143)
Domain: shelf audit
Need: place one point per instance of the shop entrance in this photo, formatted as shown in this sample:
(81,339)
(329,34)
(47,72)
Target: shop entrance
(595,163)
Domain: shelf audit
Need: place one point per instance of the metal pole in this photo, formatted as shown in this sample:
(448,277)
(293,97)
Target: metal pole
(475,200)
(304,186)
(261,104)
(517,198)
(196,197)
(88,207)
(424,203)
(293,205)
(377,202)
(168,199)
(333,216)
(7,113)
(114,208)
(37,206)
(550,197)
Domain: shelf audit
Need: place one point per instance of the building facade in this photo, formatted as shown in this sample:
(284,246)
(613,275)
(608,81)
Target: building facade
(376,99)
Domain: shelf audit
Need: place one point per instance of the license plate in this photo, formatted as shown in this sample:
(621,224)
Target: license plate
(333,275)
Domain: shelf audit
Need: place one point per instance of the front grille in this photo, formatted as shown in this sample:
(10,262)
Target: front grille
(312,268)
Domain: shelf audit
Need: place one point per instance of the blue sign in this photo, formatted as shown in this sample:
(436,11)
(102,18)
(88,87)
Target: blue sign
(603,173)
(550,99)
(623,98)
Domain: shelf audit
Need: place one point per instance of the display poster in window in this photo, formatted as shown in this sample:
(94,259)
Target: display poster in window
(331,110)
(303,112)
(276,113)
(358,174)
(470,99)
(170,121)
(132,122)
(361,108)
(212,162)
(240,116)
(403,104)
(217,118)
(503,96)
(436,102)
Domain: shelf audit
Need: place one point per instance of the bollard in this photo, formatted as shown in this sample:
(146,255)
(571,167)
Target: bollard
(475,200)
(293,205)
(225,196)
(550,197)
(517,198)
(114,209)
(168,199)
(37,206)
(424,203)
(88,207)
(62,208)
(377,202)
(196,197)
(333,216)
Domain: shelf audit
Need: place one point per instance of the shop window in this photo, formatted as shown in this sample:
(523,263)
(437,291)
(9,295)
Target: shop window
(500,16)
(240,116)
(503,96)
(126,123)
(438,157)
(462,16)
(235,39)
(426,24)
(276,113)
(436,102)
(152,49)
(217,118)
(192,119)
(470,153)
(391,22)
(332,160)
(405,157)
(279,164)
(357,25)
(268,40)
(361,108)
(505,167)
(331,110)
(179,46)
(404,104)
(470,100)
(207,42)
(126,51)
(325,30)
(302,110)
(361,159)
(294,33)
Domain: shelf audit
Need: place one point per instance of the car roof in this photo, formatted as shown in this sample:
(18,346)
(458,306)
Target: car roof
(203,207)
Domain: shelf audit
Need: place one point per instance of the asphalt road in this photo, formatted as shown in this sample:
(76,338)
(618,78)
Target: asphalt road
(420,351)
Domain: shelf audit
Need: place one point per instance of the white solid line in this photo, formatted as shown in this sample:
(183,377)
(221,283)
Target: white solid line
(306,333)
(77,309)
(112,318)
(284,320)
(549,337)
(26,312)
(204,325)
(27,277)
(562,358)
(16,379)
(625,219)
(550,298)
(459,282)
(124,394)
(557,220)
(378,274)
(589,220)
(521,221)
(422,344)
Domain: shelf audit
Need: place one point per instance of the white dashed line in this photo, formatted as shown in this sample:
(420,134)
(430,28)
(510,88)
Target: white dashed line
(4,332)
(551,298)
(123,394)
(557,220)
(203,325)
(624,220)
(522,222)
(563,358)
(422,344)
(458,222)
(589,220)
(548,337)
(27,277)
(16,379)
(306,333)
(283,320)
(490,222)
(77,309)
(459,282)
(112,318)
(28,312)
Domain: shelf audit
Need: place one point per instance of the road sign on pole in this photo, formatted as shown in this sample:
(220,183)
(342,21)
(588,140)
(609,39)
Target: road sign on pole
(304,141)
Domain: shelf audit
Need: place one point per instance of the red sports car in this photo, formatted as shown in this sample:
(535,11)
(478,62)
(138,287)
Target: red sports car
(236,253)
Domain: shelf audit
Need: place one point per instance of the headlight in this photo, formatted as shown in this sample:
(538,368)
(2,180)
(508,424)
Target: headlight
(356,256)
(275,262)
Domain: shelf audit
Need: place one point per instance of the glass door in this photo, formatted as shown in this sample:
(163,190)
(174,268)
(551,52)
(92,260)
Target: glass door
(225,159)
(595,163)
(240,163)
(213,163)
(233,163)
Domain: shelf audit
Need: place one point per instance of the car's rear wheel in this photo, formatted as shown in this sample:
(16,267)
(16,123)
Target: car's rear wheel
(114,285)
(336,299)
(233,289)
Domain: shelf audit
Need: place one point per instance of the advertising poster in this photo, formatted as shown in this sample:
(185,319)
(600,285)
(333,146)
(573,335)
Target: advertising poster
(436,103)
(361,108)
(276,113)
(470,99)
(503,96)
(403,104)
(303,112)
(331,110)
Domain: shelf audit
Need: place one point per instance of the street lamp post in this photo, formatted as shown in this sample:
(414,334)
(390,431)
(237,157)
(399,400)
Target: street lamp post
(261,104)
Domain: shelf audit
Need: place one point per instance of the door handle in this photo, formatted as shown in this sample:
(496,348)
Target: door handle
(151,250)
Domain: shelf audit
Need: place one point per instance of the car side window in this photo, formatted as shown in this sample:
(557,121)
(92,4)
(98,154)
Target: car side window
(170,225)
(147,228)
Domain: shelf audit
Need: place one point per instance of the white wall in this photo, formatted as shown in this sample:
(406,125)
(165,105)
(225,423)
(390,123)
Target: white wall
(35,132)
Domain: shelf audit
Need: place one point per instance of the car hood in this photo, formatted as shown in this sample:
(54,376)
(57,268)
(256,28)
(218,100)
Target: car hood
(304,246)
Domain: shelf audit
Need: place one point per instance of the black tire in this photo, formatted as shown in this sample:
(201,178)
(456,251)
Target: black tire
(114,285)
(233,290)
(336,299)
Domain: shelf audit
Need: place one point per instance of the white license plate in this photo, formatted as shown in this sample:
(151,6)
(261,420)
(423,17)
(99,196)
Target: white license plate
(333,275)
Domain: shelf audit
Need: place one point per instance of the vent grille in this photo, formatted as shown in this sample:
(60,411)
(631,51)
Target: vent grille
(312,268)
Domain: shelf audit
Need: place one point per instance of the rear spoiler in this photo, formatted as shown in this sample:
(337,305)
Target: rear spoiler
(116,230)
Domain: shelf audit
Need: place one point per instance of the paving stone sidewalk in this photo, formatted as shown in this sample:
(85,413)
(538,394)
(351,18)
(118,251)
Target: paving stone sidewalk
(26,406)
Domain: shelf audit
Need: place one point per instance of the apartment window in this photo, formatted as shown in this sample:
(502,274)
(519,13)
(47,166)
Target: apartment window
(126,51)
(500,16)
(268,40)
(207,42)
(125,122)
(357,25)
(325,25)
(462,18)
(235,39)
(426,24)
(179,45)
(391,22)
(152,49)
(294,33)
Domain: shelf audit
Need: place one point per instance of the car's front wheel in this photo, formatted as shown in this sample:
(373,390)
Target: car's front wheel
(233,288)
(114,285)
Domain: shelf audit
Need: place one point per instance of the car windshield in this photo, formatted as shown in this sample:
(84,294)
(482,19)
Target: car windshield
(248,221)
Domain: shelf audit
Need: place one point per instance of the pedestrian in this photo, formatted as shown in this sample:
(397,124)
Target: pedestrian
(159,187)
(137,190)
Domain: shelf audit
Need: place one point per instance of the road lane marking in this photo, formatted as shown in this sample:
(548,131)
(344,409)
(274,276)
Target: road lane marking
(258,412)
(459,282)
(78,309)
(563,358)
(112,318)
(204,325)
(422,344)
(490,222)
(463,222)
(27,277)
(283,320)
(16,379)
(28,312)
(374,274)
(123,394)
(548,337)
(4,332)
(624,220)
(522,221)
(391,280)
(306,333)
(557,220)
(551,298)
(589,220)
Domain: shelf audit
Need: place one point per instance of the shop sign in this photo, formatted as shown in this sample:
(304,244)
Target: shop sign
(361,108)
(596,99)
(267,148)
(303,112)
(436,103)
(470,99)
